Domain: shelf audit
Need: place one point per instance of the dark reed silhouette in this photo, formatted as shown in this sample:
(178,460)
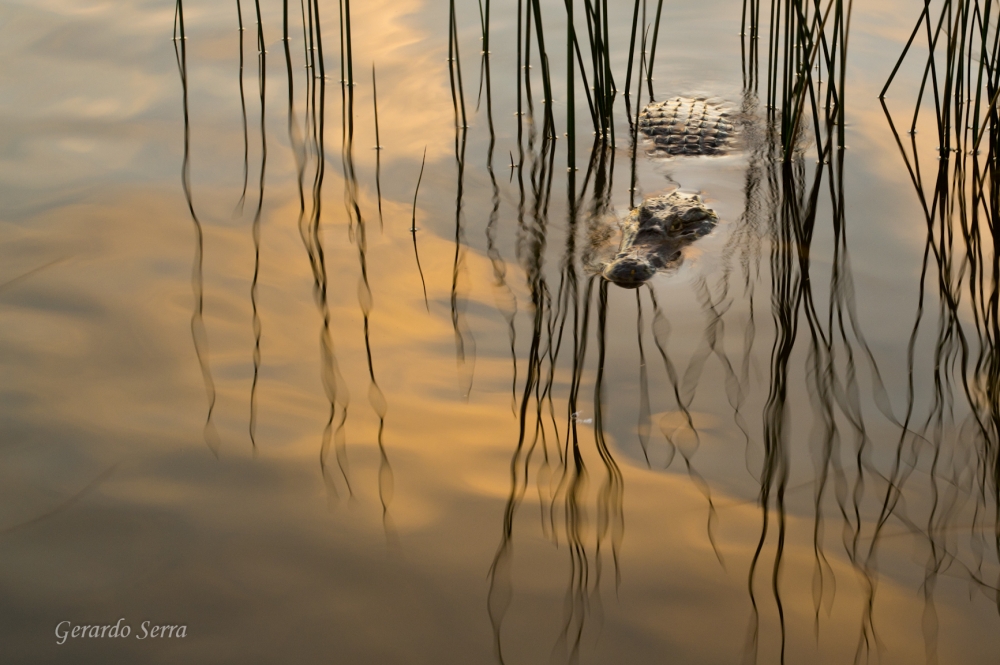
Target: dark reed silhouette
(465,342)
(255,228)
(943,472)
(414,229)
(786,192)
(359,226)
(807,46)
(504,296)
(960,201)
(309,148)
(199,337)
(13,281)
(378,153)
(561,475)
(238,210)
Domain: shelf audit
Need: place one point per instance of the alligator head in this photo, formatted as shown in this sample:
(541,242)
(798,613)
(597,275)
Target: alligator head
(654,235)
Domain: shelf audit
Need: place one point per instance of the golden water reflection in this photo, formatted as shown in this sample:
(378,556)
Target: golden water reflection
(585,484)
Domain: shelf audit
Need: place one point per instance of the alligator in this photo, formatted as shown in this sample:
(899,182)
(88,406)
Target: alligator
(654,235)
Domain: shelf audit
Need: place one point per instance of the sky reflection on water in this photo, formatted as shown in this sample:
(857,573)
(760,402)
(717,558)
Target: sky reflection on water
(504,440)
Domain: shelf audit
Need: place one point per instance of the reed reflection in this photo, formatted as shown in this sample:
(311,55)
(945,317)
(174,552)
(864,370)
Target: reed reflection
(788,203)
(308,144)
(562,474)
(960,203)
(465,343)
(414,229)
(359,227)
(378,153)
(199,337)
(550,445)
(785,202)
(866,495)
(243,113)
(504,297)
(255,228)
(781,188)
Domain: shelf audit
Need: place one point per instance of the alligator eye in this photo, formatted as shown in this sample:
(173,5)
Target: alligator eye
(676,226)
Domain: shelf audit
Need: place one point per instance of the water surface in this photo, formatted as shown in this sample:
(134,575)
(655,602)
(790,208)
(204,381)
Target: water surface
(233,399)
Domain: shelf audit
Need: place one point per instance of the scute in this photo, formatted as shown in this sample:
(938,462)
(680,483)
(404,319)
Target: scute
(688,126)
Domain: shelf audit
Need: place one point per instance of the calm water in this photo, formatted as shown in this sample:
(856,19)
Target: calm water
(258,417)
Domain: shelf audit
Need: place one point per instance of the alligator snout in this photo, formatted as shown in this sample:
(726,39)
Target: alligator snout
(629,272)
